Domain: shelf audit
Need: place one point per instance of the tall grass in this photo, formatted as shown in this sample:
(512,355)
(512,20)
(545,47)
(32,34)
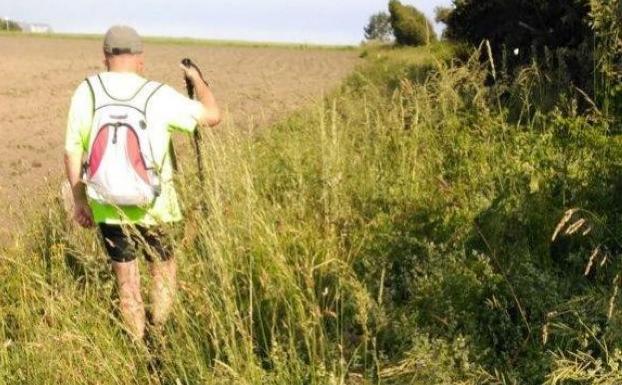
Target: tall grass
(267,255)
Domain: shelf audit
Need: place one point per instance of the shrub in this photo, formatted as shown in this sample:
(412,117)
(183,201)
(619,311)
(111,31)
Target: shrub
(410,26)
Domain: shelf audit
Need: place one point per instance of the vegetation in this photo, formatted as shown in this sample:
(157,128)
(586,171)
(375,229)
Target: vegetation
(556,35)
(410,26)
(521,24)
(428,223)
(379,28)
(441,14)
(9,25)
(605,19)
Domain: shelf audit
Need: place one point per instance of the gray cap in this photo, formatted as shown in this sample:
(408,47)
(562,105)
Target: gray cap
(121,39)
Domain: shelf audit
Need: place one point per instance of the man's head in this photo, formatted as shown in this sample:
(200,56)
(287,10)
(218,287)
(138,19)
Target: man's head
(123,50)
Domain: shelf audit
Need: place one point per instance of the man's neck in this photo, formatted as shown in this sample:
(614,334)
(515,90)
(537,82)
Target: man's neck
(123,70)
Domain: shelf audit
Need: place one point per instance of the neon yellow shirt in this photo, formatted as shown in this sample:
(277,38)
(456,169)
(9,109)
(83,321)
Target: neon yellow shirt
(168,110)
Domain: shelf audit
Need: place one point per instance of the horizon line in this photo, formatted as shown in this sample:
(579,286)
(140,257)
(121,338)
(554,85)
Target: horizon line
(161,39)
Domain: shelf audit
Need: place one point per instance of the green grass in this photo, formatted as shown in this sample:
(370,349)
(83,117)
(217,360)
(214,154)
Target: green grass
(397,232)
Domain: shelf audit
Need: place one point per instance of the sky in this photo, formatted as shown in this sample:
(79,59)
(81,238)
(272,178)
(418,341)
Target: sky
(303,21)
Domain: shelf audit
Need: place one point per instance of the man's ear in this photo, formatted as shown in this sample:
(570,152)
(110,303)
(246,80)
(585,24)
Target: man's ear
(140,63)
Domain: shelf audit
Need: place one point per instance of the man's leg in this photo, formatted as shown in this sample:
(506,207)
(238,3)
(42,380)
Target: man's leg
(131,303)
(162,290)
(120,248)
(158,248)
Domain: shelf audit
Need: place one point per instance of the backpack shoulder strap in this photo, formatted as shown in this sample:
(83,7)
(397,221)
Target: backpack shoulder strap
(88,83)
(98,91)
(102,97)
(142,98)
(153,92)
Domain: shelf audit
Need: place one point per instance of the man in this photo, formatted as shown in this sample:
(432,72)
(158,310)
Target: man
(129,230)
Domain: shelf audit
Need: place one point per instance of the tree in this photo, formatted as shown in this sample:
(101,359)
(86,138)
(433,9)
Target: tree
(553,23)
(555,34)
(441,14)
(410,26)
(9,25)
(379,27)
(526,25)
(605,20)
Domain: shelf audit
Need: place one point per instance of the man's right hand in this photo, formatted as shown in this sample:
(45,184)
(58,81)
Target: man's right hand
(83,215)
(192,74)
(211,113)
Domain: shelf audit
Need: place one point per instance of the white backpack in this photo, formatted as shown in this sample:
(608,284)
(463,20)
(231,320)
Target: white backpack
(121,168)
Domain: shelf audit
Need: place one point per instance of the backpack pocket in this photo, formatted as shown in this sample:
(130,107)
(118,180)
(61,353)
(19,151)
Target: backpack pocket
(117,172)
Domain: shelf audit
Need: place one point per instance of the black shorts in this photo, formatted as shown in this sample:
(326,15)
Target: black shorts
(126,243)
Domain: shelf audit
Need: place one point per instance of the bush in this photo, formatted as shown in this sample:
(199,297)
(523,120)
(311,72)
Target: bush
(410,26)
(379,27)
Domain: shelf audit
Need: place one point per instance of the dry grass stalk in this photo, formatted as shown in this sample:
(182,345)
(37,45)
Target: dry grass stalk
(591,261)
(545,333)
(612,300)
(567,216)
(492,61)
(573,228)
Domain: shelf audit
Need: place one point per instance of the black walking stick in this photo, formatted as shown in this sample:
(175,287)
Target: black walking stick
(198,139)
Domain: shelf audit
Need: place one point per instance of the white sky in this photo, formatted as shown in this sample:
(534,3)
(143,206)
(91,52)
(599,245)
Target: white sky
(309,21)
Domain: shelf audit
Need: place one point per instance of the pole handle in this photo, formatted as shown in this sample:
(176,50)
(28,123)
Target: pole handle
(198,140)
(188,63)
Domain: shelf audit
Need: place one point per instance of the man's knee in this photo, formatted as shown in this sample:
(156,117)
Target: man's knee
(162,293)
(128,282)
(158,317)
(157,245)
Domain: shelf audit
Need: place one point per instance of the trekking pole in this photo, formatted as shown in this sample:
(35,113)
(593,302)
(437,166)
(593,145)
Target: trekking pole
(198,138)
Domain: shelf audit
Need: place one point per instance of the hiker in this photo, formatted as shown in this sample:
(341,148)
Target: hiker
(120,169)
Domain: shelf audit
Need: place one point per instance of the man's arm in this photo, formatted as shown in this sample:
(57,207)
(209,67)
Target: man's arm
(79,120)
(211,113)
(82,212)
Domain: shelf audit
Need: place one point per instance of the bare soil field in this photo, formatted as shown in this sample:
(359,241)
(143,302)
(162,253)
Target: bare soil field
(39,74)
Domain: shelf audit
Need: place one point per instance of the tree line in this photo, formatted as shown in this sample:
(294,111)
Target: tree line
(578,43)
(9,25)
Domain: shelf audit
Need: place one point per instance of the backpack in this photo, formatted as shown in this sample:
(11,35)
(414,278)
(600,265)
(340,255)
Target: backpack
(121,168)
